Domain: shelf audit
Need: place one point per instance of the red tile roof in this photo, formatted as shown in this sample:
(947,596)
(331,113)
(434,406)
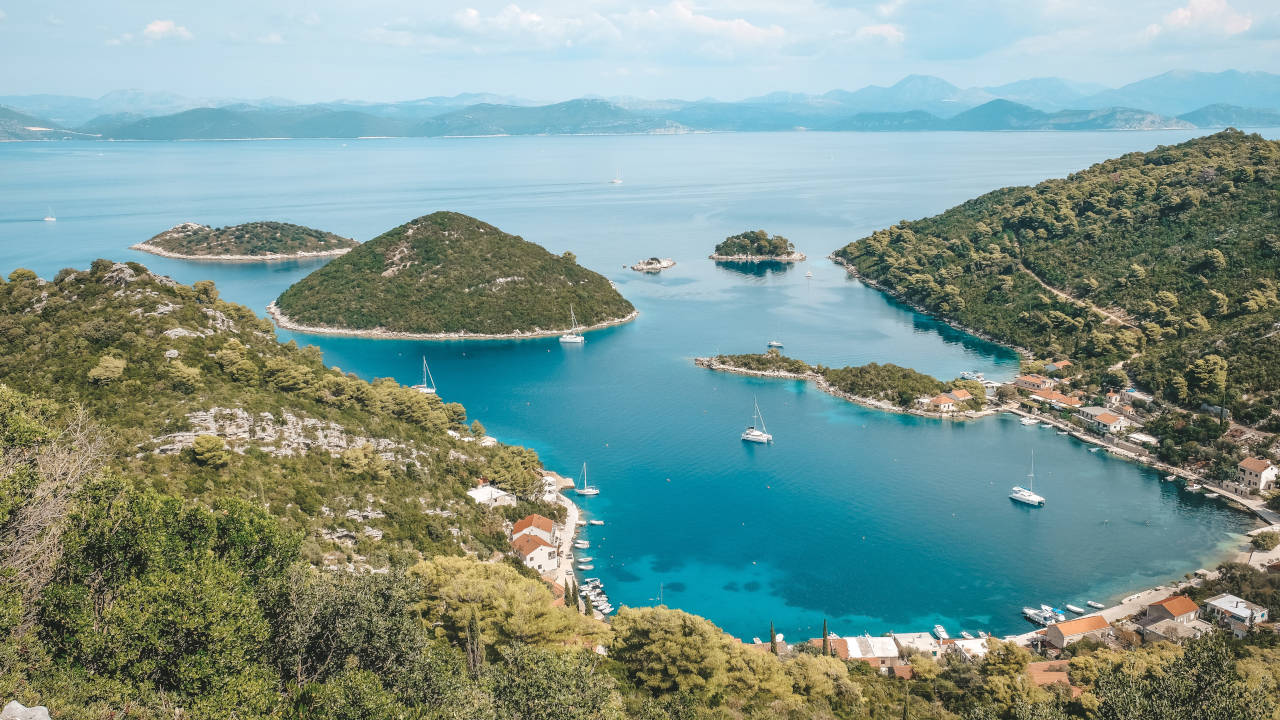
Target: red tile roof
(1107,418)
(526,545)
(1253,464)
(1178,605)
(960,394)
(942,400)
(533,521)
(1079,626)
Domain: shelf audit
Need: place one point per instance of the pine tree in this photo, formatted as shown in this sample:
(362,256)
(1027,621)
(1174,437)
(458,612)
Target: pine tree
(474,646)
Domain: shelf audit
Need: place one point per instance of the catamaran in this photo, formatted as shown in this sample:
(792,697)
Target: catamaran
(1027,495)
(586,489)
(572,336)
(760,434)
(428,385)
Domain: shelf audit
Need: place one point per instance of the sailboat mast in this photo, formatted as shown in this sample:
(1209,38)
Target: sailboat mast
(1032,475)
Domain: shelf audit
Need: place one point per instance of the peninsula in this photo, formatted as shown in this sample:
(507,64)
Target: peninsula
(250,242)
(883,387)
(448,275)
(757,246)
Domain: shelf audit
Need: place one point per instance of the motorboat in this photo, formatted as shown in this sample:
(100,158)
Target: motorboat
(1170,478)
(1036,616)
(983,634)
(1095,604)
(428,386)
(940,632)
(809,274)
(586,489)
(585,559)
(1028,421)
(587,566)
(966,634)
(573,337)
(774,344)
(596,522)
(1075,609)
(757,434)
(1094,449)
(1211,496)
(1053,613)
(582,544)
(972,375)
(1027,495)
(1195,487)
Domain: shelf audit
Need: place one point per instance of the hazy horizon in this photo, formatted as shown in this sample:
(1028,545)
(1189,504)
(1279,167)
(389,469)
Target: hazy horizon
(553,50)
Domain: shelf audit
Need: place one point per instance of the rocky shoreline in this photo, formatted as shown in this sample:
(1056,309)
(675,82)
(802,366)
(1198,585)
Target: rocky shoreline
(853,271)
(792,258)
(269,257)
(283,321)
(654,265)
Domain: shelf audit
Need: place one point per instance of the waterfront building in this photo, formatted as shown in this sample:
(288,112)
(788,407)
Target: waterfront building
(922,643)
(1033,382)
(969,649)
(1173,619)
(1238,614)
(941,403)
(1060,635)
(1057,399)
(1256,474)
(535,525)
(536,553)
(1102,420)
(490,496)
(878,652)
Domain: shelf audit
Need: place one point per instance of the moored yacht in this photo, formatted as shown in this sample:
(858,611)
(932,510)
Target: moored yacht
(586,489)
(775,344)
(428,386)
(940,632)
(573,336)
(1027,495)
(1036,616)
(757,434)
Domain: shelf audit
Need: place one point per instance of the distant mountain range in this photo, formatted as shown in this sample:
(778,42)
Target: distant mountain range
(1178,99)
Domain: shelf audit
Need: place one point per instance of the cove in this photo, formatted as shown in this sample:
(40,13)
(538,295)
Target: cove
(874,521)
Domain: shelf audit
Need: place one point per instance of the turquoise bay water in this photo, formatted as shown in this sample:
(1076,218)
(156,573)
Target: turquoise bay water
(874,521)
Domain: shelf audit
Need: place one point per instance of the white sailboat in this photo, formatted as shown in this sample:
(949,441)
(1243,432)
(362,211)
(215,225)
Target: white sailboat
(50,217)
(617,179)
(1027,495)
(428,385)
(586,489)
(572,336)
(757,434)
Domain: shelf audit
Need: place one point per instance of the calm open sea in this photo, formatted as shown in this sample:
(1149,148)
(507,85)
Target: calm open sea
(874,521)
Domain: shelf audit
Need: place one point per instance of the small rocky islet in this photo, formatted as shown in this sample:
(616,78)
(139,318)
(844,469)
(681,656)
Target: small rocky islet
(248,242)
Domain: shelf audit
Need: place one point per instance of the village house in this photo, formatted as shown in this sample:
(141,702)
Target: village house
(1033,382)
(535,525)
(1113,399)
(878,652)
(941,403)
(1057,399)
(969,649)
(490,496)
(1052,672)
(922,643)
(536,553)
(1238,614)
(1102,420)
(1060,635)
(1257,474)
(1173,619)
(1058,366)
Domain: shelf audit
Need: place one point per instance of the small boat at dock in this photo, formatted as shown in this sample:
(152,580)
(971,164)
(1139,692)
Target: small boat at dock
(1028,421)
(587,566)
(1195,487)
(1036,616)
(585,559)
(582,544)
(597,522)
(1054,613)
(1095,604)
(940,632)
(966,634)
(1094,449)
(1075,609)
(1211,496)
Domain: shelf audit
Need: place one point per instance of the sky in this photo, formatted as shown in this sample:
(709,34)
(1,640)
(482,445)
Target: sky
(384,50)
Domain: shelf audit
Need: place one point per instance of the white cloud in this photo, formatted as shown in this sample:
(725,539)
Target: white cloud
(2,16)
(165,29)
(271,38)
(680,16)
(887,9)
(1215,16)
(541,29)
(890,34)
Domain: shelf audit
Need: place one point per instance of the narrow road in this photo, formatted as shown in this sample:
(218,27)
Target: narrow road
(1112,316)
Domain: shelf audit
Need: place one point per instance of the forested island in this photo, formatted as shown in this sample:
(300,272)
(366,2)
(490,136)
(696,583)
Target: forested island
(248,242)
(450,275)
(756,246)
(1158,267)
(149,569)
(886,386)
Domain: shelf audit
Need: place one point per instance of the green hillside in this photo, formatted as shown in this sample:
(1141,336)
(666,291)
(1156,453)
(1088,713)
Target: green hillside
(257,239)
(450,273)
(1168,261)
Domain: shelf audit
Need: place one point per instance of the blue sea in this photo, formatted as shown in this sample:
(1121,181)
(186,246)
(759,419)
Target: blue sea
(870,520)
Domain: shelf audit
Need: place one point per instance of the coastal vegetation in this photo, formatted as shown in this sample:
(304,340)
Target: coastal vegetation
(447,273)
(145,581)
(266,240)
(756,245)
(1162,264)
(884,382)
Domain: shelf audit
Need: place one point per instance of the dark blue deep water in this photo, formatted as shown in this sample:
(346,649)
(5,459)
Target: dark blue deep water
(874,521)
